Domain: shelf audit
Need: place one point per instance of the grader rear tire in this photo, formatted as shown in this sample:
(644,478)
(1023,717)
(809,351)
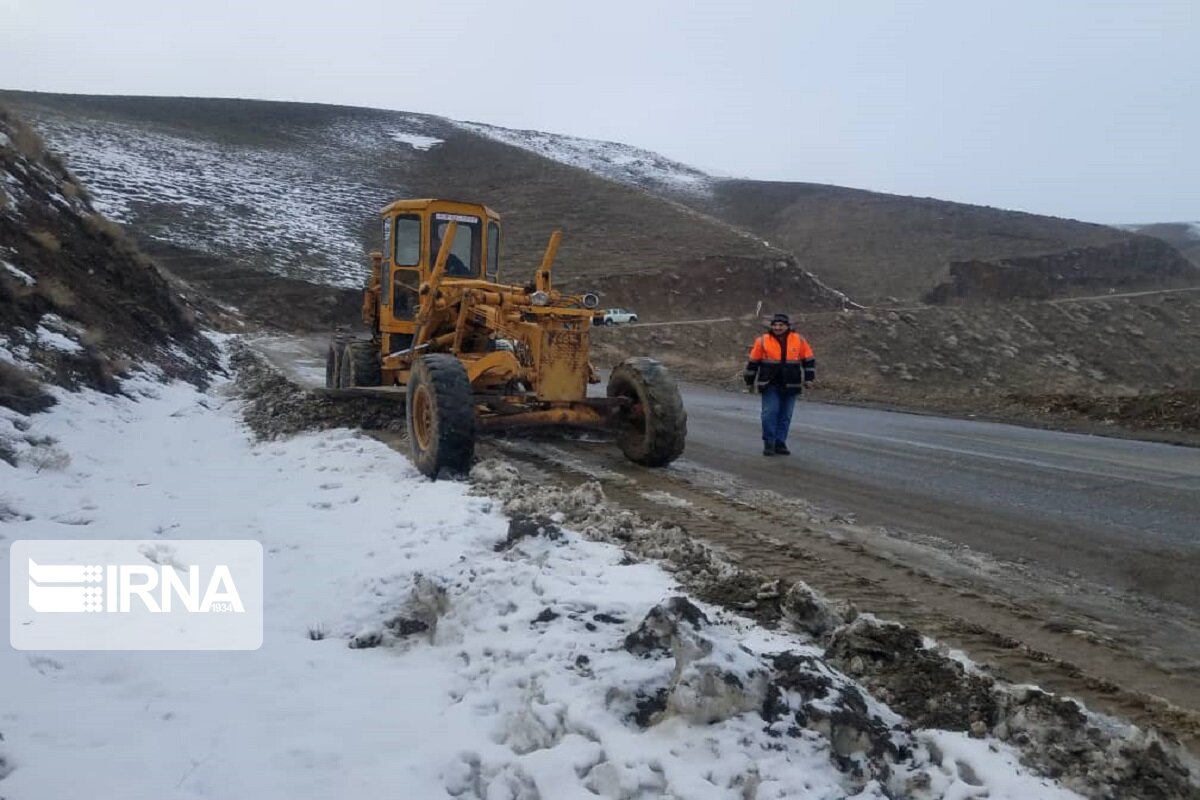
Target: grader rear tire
(441,415)
(360,365)
(654,430)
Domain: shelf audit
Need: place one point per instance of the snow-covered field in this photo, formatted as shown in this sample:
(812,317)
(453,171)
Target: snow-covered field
(410,649)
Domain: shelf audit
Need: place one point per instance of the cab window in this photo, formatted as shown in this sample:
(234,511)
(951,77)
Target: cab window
(493,252)
(464,255)
(407,239)
(385,270)
(404,298)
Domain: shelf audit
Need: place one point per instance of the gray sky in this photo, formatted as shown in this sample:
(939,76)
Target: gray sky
(1085,109)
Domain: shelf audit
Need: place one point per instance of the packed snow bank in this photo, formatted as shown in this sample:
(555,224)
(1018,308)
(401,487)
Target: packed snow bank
(417,643)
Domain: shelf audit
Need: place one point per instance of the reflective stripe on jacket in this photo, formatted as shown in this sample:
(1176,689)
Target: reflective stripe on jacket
(794,367)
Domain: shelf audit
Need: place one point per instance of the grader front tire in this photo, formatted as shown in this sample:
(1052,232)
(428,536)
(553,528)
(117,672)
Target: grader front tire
(441,415)
(653,430)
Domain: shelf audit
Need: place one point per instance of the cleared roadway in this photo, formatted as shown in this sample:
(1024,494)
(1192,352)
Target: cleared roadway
(1122,513)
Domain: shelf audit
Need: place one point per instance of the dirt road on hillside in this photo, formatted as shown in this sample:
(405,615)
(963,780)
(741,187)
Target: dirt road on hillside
(1054,559)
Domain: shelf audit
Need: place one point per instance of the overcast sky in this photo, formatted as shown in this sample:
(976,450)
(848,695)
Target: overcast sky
(1085,109)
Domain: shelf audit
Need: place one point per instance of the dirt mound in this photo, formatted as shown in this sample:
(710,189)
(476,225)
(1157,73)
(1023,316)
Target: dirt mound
(266,301)
(1174,410)
(1089,754)
(276,407)
(79,304)
(1140,262)
(734,286)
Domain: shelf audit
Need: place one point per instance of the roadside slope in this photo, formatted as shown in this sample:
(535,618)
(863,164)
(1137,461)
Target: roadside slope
(79,304)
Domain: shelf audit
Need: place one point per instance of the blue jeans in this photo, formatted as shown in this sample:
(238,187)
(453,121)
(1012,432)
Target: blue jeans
(777,405)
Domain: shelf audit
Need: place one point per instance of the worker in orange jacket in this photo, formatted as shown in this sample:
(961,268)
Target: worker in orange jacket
(781,362)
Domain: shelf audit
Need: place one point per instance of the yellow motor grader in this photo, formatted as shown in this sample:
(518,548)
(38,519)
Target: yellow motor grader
(469,353)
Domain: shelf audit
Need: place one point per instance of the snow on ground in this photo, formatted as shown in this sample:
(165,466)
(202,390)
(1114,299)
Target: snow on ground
(416,140)
(516,687)
(19,274)
(612,160)
(56,341)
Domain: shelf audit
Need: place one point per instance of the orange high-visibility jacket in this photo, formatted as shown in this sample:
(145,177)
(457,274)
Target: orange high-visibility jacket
(794,364)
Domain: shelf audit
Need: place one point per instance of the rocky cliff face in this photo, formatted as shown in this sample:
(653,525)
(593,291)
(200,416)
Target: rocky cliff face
(79,304)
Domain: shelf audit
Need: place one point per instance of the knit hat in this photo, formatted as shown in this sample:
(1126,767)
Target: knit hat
(781,318)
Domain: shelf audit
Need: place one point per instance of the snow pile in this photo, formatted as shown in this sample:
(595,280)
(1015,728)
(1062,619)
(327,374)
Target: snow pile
(415,140)
(21,275)
(619,162)
(417,642)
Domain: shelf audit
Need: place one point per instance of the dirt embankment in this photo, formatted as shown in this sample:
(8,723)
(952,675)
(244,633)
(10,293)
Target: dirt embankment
(705,287)
(249,297)
(80,305)
(1140,262)
(877,246)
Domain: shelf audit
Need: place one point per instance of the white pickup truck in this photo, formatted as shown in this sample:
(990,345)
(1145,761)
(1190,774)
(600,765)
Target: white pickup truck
(618,316)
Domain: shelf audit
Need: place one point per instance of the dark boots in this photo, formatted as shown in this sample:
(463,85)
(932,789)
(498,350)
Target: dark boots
(781,449)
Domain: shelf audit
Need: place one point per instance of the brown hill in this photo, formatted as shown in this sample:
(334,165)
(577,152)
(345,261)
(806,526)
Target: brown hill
(881,247)
(1183,236)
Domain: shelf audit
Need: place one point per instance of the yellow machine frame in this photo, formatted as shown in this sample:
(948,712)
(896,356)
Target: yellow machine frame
(525,348)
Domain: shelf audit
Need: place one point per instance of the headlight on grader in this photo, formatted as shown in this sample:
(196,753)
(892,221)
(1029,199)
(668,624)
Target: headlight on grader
(539,299)
(591,300)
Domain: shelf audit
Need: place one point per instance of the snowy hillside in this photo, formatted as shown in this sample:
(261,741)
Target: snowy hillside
(237,198)
(297,198)
(613,160)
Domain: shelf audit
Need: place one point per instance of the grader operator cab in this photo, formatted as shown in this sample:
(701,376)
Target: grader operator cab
(469,353)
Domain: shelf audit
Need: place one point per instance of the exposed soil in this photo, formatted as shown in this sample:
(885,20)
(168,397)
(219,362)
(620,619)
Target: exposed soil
(1139,262)
(276,407)
(80,305)
(253,298)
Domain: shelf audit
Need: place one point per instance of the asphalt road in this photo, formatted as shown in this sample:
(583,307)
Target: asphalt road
(1121,513)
